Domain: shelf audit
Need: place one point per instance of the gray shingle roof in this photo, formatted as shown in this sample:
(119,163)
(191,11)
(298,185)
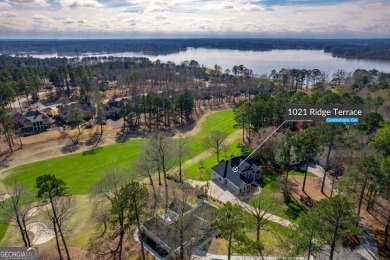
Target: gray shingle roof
(225,170)
(178,207)
(195,224)
(32,117)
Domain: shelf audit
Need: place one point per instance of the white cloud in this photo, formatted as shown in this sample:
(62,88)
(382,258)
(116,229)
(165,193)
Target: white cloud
(5,6)
(80,3)
(28,2)
(228,5)
(228,19)
(41,18)
(153,9)
(69,21)
(160,17)
(8,14)
(251,8)
(374,6)
(194,16)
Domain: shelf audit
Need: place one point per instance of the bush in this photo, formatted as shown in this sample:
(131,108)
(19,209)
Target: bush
(295,209)
(174,178)
(307,200)
(59,119)
(35,97)
(244,149)
(286,197)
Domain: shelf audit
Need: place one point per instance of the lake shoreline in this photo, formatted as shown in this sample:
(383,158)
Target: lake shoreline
(261,62)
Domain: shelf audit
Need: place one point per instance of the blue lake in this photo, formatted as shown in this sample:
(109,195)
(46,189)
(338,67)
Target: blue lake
(261,63)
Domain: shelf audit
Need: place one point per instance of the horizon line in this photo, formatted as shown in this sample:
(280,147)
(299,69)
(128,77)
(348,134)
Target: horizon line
(197,38)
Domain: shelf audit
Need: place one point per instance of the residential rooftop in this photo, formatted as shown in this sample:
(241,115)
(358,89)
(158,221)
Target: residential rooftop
(225,169)
(195,225)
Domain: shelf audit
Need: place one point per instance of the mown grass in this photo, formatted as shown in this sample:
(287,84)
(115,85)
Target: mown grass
(81,170)
(3,230)
(272,238)
(271,188)
(193,171)
(299,173)
(222,121)
(79,228)
(4,218)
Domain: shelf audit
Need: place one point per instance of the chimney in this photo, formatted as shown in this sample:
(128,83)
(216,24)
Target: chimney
(242,153)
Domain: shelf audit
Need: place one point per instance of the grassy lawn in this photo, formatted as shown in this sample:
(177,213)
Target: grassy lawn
(272,239)
(222,120)
(79,228)
(192,172)
(4,219)
(271,188)
(3,230)
(81,170)
(299,173)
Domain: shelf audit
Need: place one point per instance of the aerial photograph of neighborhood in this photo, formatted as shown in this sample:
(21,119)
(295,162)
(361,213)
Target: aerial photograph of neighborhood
(195,129)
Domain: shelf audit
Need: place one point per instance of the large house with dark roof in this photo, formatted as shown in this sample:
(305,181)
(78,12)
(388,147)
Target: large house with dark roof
(161,234)
(86,111)
(32,122)
(111,109)
(237,174)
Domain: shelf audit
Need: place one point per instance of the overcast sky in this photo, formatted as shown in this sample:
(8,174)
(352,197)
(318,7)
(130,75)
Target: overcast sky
(194,18)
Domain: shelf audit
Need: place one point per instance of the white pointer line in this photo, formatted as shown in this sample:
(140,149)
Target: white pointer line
(235,168)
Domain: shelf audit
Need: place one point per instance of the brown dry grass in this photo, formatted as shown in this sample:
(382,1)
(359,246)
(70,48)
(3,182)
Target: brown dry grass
(75,254)
(312,187)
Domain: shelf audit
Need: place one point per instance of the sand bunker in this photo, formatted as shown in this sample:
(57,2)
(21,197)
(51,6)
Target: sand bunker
(42,233)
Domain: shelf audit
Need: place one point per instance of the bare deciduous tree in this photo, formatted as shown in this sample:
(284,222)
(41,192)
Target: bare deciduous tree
(17,208)
(53,188)
(215,141)
(161,150)
(147,169)
(58,214)
(182,151)
(259,206)
(106,192)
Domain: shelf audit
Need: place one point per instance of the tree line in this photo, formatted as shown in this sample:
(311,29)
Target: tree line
(160,93)
(358,153)
(350,48)
(157,111)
